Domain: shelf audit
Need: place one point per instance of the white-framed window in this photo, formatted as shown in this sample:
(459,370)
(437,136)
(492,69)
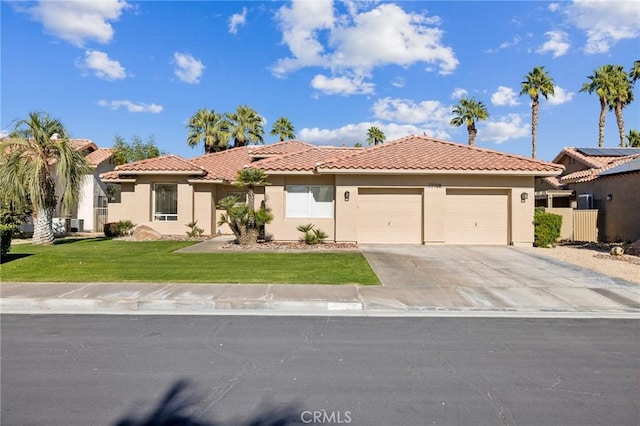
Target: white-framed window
(165,202)
(309,201)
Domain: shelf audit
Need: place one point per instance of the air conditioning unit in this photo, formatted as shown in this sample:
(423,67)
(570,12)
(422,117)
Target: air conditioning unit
(585,201)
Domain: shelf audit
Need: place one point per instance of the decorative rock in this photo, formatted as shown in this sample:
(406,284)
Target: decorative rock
(616,251)
(145,233)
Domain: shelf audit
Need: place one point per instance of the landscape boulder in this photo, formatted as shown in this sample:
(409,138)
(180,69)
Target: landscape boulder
(616,251)
(145,233)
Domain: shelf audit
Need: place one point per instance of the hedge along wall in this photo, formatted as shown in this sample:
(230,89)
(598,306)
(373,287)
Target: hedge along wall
(547,228)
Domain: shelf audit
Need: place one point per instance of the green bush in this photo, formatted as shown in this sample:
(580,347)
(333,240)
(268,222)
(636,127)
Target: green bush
(6,232)
(118,229)
(547,228)
(311,235)
(194,231)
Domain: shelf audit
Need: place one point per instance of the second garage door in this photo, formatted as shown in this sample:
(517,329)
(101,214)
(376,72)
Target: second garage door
(477,217)
(390,216)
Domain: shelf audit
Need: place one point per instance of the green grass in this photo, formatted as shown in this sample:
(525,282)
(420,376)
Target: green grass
(104,260)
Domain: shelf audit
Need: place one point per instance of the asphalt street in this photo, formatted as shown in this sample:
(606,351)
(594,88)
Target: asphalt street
(93,370)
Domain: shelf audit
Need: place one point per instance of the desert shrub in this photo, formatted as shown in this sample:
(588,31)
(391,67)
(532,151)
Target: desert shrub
(194,231)
(118,229)
(310,235)
(547,228)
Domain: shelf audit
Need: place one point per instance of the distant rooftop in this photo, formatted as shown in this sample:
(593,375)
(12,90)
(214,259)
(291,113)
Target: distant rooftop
(608,152)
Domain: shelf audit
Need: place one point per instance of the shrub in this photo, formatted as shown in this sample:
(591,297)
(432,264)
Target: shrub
(311,235)
(118,229)
(194,231)
(547,228)
(6,232)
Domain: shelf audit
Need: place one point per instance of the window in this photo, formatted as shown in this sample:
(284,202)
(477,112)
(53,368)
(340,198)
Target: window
(165,202)
(309,201)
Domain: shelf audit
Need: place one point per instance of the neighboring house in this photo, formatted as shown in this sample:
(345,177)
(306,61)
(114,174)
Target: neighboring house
(415,190)
(602,179)
(90,215)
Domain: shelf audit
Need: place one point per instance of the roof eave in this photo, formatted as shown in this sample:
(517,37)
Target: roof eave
(163,172)
(206,180)
(441,172)
(119,180)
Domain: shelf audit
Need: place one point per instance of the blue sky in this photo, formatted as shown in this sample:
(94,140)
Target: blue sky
(334,68)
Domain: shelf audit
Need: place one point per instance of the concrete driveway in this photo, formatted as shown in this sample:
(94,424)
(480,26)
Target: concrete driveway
(493,277)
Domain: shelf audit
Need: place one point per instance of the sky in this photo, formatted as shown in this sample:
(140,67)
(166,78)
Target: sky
(333,68)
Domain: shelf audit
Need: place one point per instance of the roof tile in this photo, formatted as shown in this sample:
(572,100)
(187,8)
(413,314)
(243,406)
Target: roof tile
(166,163)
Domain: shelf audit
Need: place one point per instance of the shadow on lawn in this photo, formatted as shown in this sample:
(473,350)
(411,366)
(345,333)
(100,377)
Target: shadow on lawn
(10,257)
(78,240)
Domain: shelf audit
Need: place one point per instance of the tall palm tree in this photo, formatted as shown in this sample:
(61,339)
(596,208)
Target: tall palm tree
(467,112)
(537,82)
(634,138)
(283,128)
(209,127)
(601,83)
(37,162)
(375,136)
(621,96)
(634,74)
(245,125)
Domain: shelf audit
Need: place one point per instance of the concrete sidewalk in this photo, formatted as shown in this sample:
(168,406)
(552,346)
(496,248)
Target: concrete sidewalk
(312,299)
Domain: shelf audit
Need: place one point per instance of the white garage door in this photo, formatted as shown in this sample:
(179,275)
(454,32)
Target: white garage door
(477,217)
(390,216)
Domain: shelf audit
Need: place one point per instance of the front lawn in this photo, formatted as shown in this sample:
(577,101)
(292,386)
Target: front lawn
(103,260)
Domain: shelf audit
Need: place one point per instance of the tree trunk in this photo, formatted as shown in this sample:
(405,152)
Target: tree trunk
(43,226)
(618,109)
(248,237)
(534,127)
(251,203)
(603,116)
(472,134)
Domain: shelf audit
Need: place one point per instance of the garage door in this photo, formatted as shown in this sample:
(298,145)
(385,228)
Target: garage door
(390,216)
(476,217)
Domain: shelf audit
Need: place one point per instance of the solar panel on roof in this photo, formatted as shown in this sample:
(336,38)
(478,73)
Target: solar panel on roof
(631,166)
(608,152)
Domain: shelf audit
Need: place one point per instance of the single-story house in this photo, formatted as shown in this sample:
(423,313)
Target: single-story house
(415,190)
(603,179)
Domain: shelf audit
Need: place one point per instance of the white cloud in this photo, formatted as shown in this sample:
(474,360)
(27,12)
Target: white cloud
(560,96)
(553,7)
(352,133)
(459,93)
(237,20)
(605,22)
(359,41)
(3,133)
(505,96)
(514,41)
(398,82)
(503,129)
(79,21)
(188,68)
(102,66)
(557,43)
(130,106)
(430,113)
(341,85)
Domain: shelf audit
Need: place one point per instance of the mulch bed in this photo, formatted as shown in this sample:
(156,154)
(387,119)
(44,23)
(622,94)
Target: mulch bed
(280,245)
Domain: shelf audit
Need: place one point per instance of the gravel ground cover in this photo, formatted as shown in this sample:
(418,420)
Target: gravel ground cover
(597,258)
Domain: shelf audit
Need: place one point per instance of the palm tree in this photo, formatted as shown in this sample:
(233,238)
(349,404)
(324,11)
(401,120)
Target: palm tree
(283,128)
(209,127)
(634,138)
(467,112)
(37,163)
(620,96)
(245,125)
(375,136)
(536,83)
(634,74)
(601,83)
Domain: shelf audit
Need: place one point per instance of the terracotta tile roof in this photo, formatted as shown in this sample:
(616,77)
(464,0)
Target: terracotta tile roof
(422,153)
(554,182)
(303,161)
(98,156)
(223,165)
(587,175)
(112,175)
(591,161)
(279,148)
(83,144)
(166,163)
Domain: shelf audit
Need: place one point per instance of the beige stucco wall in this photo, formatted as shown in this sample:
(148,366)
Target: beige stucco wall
(197,201)
(620,216)
(566,231)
